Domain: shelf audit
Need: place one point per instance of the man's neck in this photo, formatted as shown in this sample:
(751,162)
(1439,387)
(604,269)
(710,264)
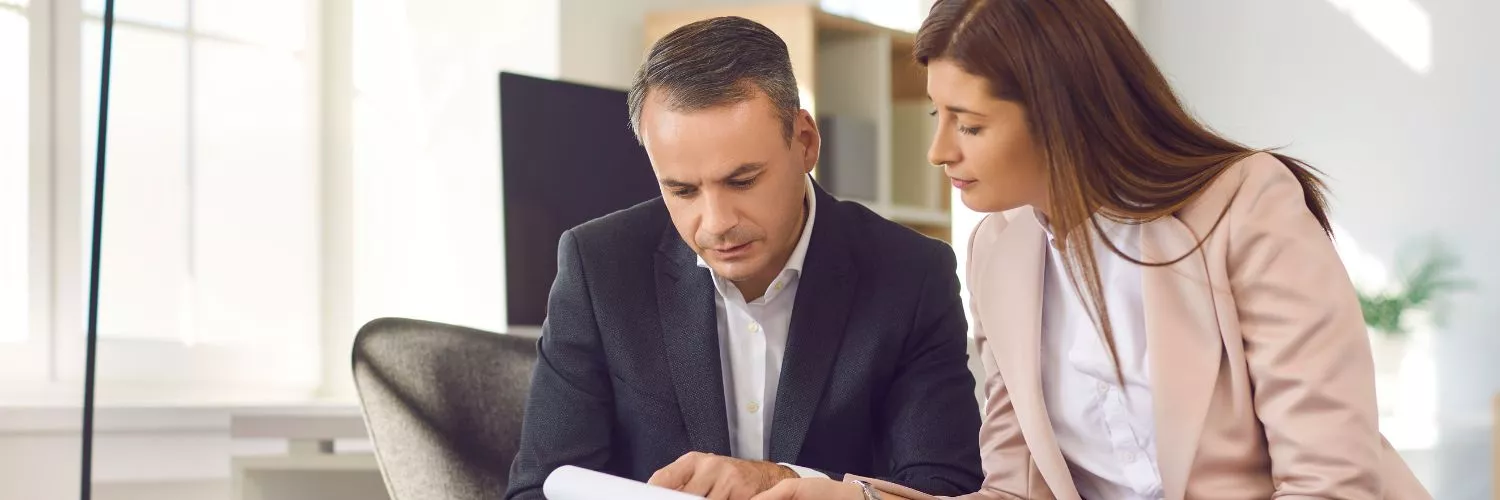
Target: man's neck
(753,289)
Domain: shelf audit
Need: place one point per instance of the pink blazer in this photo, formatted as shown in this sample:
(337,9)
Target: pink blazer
(1262,377)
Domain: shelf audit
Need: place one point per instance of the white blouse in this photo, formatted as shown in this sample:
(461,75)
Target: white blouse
(1105,431)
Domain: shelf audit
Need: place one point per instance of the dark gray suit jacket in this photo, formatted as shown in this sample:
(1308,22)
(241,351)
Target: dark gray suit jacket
(875,379)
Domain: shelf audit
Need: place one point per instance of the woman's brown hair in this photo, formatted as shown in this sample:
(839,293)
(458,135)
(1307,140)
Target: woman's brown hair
(1115,140)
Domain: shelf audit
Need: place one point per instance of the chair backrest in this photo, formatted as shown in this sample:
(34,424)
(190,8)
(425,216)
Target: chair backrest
(443,405)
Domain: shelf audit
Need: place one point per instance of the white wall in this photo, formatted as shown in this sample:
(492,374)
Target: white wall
(179,454)
(1128,10)
(427,173)
(424,180)
(39,466)
(1395,100)
(428,240)
(602,42)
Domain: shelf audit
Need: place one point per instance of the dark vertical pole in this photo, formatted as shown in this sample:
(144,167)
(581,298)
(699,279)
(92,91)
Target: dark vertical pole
(93,328)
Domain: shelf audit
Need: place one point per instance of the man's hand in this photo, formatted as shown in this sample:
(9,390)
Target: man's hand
(813,489)
(720,478)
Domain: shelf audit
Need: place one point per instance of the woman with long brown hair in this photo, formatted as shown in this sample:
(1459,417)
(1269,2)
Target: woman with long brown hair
(1159,310)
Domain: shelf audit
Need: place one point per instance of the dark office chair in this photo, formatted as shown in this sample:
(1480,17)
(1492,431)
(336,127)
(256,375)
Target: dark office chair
(443,405)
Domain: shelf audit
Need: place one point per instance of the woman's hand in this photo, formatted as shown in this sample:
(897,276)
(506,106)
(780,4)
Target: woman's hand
(812,489)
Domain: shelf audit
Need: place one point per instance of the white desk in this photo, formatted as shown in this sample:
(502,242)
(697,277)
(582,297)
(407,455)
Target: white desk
(312,468)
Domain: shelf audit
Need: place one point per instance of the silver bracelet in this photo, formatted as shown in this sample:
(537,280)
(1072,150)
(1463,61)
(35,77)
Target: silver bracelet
(870,492)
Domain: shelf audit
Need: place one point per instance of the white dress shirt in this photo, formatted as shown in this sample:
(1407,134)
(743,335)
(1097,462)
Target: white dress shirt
(752,343)
(1105,431)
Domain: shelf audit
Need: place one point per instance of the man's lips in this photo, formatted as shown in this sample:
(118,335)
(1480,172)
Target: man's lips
(731,251)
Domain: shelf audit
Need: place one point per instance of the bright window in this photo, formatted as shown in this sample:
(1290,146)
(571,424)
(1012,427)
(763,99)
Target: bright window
(211,210)
(210,284)
(15,165)
(146,218)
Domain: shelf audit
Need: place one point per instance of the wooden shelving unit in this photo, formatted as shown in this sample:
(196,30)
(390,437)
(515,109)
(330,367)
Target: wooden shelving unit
(856,70)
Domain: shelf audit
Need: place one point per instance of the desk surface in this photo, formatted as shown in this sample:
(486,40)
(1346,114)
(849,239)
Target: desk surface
(313,422)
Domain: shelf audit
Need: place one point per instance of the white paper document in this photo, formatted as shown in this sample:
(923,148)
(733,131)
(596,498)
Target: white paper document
(576,483)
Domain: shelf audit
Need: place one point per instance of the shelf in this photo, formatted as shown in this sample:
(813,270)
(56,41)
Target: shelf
(908,79)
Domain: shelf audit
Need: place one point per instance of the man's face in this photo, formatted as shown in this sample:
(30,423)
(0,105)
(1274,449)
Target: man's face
(732,182)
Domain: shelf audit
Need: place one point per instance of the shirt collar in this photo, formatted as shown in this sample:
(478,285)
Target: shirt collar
(1112,228)
(1041,220)
(799,253)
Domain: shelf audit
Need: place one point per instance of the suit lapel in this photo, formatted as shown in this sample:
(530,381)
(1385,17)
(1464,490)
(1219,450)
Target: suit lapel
(690,332)
(825,293)
(1186,346)
(1012,277)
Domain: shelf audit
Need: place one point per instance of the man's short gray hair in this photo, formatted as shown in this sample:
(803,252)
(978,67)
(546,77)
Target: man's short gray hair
(717,62)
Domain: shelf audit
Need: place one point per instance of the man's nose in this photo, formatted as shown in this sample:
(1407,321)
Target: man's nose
(719,214)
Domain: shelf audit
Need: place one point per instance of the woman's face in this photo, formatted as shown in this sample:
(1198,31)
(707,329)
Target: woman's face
(983,144)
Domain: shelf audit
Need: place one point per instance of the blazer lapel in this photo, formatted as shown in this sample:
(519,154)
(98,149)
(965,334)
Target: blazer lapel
(1012,278)
(1182,331)
(825,293)
(690,332)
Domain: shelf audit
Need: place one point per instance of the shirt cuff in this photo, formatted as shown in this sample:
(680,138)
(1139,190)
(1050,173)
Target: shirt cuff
(804,472)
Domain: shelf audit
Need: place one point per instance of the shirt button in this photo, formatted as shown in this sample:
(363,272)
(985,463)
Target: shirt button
(1103,388)
(752,407)
(754,328)
(780,285)
(1127,457)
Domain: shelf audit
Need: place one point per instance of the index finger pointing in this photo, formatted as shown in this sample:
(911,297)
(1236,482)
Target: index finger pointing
(675,474)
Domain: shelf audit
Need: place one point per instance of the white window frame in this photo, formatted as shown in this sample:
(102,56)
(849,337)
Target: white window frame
(26,363)
(47,368)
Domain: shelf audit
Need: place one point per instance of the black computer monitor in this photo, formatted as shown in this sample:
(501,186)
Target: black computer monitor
(567,156)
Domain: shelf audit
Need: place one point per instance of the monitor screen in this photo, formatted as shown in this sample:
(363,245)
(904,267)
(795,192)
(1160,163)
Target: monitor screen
(567,156)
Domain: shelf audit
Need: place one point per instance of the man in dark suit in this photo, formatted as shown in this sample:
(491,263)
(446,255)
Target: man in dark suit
(747,327)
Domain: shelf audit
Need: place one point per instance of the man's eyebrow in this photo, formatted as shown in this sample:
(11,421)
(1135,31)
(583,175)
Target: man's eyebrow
(742,170)
(745,169)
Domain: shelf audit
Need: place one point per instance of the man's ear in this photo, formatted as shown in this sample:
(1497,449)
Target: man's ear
(805,135)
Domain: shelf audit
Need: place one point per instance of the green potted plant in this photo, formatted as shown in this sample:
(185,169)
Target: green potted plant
(1412,301)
